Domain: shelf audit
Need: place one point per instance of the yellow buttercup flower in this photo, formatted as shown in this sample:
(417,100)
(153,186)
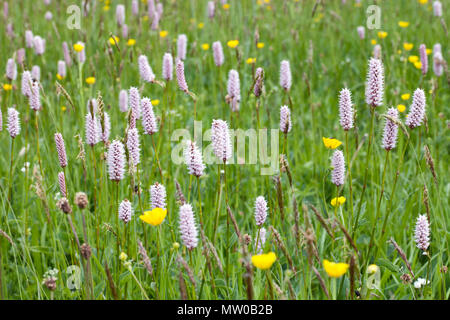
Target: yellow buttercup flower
(233,43)
(226,6)
(331,143)
(111,40)
(123,256)
(131,42)
(264,261)
(260,45)
(205,46)
(90,80)
(403,24)
(78,47)
(373,268)
(59,77)
(423,1)
(154,217)
(407,46)
(405,96)
(413,59)
(163,33)
(399,51)
(382,34)
(175,245)
(7,87)
(336,202)
(201,25)
(428,51)
(373,42)
(250,60)
(155,102)
(335,270)
(401,108)
(418,64)
(63,108)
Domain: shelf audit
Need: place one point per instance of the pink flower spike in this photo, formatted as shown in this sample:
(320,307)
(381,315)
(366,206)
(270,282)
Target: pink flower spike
(125,211)
(188,229)
(61,149)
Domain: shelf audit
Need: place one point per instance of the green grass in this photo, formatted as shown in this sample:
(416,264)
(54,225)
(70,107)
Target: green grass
(325,54)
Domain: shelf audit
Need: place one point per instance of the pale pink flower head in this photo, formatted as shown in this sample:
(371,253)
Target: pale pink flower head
(422,233)
(390,130)
(159,9)
(92,129)
(377,52)
(218,53)
(125,211)
(181,79)
(158,196)
(151,9)
(220,139)
(167,67)
(125,31)
(66,53)
(36,73)
(193,159)
(375,83)
(135,7)
(39,45)
(155,21)
(338,164)
(123,100)
(437,8)
(26,83)
(260,210)
(11,69)
(234,90)
(423,58)
(188,229)
(116,161)
(361,32)
(13,126)
(285,119)
(346,109)
(62,71)
(29,39)
(148,117)
(61,149)
(181,46)
(120,14)
(21,56)
(35,96)
(438,60)
(285,75)
(134,100)
(145,71)
(48,16)
(416,110)
(211,9)
(133,146)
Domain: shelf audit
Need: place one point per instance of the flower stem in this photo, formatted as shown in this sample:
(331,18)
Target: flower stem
(358,212)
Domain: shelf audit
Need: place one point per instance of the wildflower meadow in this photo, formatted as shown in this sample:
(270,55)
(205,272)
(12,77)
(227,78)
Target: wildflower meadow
(224,150)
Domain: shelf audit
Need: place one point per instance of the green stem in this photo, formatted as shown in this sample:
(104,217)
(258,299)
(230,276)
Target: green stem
(358,212)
